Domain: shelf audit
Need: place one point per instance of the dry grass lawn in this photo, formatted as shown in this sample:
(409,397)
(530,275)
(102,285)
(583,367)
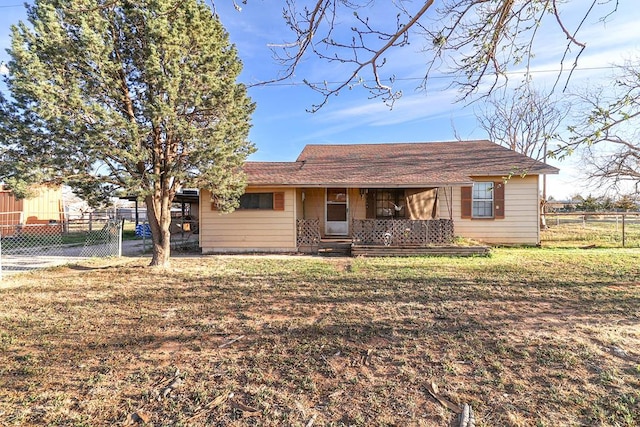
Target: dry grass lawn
(527,337)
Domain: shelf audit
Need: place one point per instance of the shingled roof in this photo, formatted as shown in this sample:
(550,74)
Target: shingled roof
(427,164)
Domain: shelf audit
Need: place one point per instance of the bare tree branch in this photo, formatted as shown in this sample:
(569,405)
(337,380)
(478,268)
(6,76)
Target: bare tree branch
(572,41)
(608,130)
(474,41)
(525,121)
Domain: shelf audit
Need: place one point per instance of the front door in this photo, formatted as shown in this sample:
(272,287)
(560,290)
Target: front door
(337,212)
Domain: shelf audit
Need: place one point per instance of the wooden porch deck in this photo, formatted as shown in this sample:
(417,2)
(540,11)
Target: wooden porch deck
(387,237)
(334,247)
(409,250)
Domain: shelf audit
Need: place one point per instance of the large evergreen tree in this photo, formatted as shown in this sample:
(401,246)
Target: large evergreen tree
(136,95)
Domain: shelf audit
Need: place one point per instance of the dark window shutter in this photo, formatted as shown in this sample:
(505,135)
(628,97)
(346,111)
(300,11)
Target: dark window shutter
(371,204)
(498,200)
(278,201)
(465,208)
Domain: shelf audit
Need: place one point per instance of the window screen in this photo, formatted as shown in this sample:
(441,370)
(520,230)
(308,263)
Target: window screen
(256,201)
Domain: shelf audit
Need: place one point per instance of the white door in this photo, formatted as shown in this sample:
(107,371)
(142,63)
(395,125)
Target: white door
(337,212)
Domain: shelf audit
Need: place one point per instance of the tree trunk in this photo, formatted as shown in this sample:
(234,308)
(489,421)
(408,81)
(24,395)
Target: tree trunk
(159,217)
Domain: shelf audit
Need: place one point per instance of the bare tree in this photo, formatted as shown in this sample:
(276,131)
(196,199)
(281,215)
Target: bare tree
(524,121)
(613,167)
(471,39)
(608,131)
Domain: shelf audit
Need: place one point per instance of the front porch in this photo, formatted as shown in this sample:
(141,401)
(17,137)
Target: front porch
(390,237)
(402,232)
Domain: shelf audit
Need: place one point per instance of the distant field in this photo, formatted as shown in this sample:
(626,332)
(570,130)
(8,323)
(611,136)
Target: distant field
(527,337)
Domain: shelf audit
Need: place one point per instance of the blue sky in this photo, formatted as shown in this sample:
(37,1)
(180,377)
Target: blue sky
(282,125)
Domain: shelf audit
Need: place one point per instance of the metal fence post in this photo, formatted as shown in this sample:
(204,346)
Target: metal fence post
(120,238)
(144,236)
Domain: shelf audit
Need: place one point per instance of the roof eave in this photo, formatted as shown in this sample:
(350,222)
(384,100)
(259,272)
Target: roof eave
(364,185)
(542,171)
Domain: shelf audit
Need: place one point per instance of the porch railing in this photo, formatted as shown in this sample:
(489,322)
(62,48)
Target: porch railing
(308,232)
(398,232)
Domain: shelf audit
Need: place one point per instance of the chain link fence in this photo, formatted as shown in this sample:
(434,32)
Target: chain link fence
(37,243)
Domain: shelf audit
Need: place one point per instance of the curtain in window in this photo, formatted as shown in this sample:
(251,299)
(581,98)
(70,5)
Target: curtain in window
(422,203)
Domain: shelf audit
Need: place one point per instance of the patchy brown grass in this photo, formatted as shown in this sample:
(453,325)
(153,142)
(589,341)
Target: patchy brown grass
(527,337)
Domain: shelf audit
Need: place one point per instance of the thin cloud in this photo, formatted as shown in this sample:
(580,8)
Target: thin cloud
(410,109)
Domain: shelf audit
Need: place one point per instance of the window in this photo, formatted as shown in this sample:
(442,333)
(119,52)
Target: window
(256,201)
(485,200)
(390,204)
(266,201)
(336,195)
(482,203)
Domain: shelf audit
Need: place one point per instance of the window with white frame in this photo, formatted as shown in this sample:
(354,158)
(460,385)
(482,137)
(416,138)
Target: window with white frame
(482,200)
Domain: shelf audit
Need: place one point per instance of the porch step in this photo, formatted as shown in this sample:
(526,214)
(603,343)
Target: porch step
(334,248)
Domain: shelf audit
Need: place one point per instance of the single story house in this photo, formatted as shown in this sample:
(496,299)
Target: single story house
(381,194)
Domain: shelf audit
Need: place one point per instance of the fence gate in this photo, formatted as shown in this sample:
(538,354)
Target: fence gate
(30,246)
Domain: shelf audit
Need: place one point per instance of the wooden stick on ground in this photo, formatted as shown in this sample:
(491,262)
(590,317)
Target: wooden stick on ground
(228,343)
(432,388)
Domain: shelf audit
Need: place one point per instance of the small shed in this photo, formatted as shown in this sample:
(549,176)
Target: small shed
(43,209)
